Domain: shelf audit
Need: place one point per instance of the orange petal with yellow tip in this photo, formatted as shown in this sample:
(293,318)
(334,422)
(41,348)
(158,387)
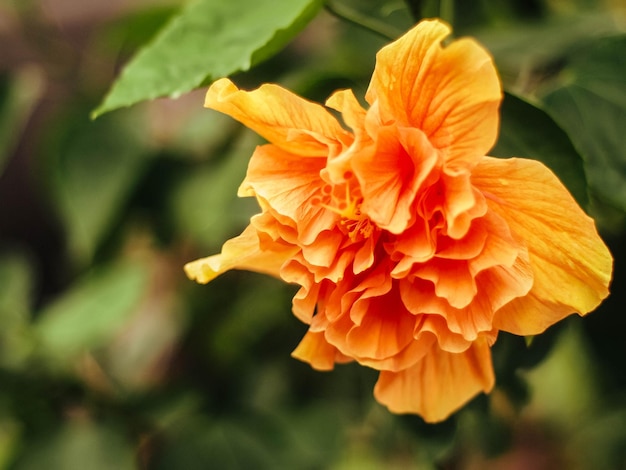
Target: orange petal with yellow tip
(570,263)
(320,354)
(241,252)
(451,93)
(283,118)
(439,384)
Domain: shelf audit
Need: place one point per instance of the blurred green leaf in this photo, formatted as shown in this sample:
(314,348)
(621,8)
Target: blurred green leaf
(94,166)
(18,95)
(133,30)
(601,443)
(16,279)
(91,312)
(590,105)
(198,443)
(485,431)
(314,435)
(526,51)
(205,205)
(79,446)
(527,131)
(208,40)
(245,325)
(10,437)
(202,134)
(565,386)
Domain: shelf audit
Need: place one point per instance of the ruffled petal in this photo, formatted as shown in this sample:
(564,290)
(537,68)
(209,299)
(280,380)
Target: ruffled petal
(351,110)
(451,93)
(439,384)
(462,204)
(384,331)
(353,116)
(318,352)
(452,279)
(283,118)
(570,263)
(391,176)
(242,252)
(291,186)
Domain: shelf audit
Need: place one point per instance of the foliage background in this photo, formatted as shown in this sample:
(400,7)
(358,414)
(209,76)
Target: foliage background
(111,358)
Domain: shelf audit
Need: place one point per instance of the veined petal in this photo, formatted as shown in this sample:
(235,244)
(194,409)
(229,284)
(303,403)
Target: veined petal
(451,93)
(242,252)
(290,184)
(303,304)
(283,118)
(452,280)
(416,245)
(353,116)
(406,358)
(570,263)
(447,340)
(384,331)
(462,204)
(391,176)
(439,384)
(351,110)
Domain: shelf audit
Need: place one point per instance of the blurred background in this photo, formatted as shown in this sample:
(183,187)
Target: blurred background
(111,359)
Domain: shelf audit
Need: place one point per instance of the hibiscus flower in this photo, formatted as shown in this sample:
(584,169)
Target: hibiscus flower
(412,249)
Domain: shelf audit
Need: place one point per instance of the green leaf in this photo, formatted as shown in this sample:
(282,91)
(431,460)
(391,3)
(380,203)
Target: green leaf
(205,205)
(526,51)
(207,40)
(197,443)
(16,279)
(79,446)
(134,30)
(566,383)
(590,105)
(93,167)
(244,326)
(91,312)
(527,131)
(18,95)
(10,440)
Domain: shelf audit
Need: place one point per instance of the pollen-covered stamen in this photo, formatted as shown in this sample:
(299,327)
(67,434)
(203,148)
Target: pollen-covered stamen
(345,200)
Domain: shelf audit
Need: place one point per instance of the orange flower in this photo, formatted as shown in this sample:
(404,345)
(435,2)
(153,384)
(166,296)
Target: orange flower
(411,247)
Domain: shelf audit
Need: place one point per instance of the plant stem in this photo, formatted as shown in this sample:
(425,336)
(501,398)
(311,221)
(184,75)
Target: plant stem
(373,25)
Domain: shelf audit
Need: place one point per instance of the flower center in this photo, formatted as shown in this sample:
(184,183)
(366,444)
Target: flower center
(346,202)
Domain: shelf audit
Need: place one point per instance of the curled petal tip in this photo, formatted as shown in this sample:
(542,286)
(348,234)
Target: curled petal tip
(201,270)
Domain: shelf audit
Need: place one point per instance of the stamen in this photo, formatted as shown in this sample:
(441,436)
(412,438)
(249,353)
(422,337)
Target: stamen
(348,207)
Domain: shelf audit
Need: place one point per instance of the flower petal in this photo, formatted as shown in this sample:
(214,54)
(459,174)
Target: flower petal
(391,176)
(384,331)
(288,121)
(451,93)
(318,352)
(570,263)
(439,384)
(241,252)
(351,110)
(290,184)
